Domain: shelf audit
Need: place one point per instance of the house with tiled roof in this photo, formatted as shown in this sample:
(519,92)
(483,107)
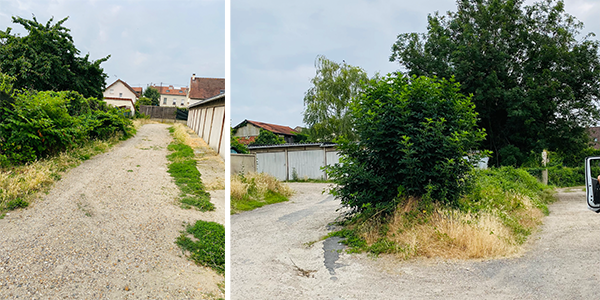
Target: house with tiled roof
(248,130)
(204,88)
(171,96)
(120,94)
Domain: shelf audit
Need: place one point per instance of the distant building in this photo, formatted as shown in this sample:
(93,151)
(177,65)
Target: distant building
(171,96)
(248,130)
(121,95)
(204,88)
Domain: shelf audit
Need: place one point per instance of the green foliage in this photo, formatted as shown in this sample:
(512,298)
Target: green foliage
(534,81)
(412,136)
(46,60)
(187,177)
(267,138)
(152,94)
(236,144)
(16,203)
(39,124)
(326,102)
(208,246)
(301,137)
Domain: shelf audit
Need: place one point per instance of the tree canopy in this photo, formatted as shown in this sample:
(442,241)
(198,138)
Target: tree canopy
(152,94)
(414,135)
(326,102)
(47,60)
(266,137)
(534,84)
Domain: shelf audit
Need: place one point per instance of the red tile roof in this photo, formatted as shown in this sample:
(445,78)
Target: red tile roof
(279,129)
(204,88)
(137,90)
(247,141)
(170,90)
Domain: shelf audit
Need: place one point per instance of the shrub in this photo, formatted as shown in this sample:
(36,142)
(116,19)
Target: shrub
(413,136)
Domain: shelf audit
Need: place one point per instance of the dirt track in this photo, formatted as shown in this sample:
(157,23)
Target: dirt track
(107,231)
(270,245)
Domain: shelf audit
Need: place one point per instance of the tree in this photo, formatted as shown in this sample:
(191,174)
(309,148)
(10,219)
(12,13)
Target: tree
(413,136)
(534,84)
(46,60)
(326,102)
(236,144)
(267,138)
(153,95)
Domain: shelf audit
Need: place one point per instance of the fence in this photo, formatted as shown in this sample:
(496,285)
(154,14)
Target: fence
(295,161)
(157,112)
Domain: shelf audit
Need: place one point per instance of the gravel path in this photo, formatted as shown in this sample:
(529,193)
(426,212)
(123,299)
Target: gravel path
(274,257)
(106,231)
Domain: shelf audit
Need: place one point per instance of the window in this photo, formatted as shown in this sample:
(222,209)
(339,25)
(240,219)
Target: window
(222,91)
(167,91)
(165,101)
(174,101)
(120,95)
(182,100)
(112,91)
(180,91)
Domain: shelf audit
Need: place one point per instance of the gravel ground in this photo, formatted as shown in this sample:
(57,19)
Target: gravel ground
(107,231)
(277,254)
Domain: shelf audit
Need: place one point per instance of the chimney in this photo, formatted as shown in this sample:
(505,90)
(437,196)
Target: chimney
(194,77)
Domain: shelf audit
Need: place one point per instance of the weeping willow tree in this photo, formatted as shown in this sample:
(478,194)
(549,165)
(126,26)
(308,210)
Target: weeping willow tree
(326,103)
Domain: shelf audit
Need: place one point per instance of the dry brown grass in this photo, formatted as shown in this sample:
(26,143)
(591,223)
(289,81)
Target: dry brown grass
(26,181)
(450,234)
(137,123)
(240,186)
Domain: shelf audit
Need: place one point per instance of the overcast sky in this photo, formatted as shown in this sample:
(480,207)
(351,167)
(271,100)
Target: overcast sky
(274,45)
(149,41)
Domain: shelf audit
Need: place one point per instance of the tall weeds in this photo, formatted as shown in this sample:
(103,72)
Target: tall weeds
(254,190)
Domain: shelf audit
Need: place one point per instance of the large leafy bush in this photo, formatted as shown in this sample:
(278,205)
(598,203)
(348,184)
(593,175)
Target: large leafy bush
(413,137)
(38,124)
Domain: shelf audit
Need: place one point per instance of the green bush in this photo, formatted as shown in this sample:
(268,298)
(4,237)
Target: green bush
(39,124)
(413,136)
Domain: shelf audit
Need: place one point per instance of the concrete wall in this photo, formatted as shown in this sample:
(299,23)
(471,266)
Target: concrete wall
(242,163)
(209,123)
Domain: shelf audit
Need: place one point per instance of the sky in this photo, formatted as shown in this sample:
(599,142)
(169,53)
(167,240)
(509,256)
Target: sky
(149,41)
(274,45)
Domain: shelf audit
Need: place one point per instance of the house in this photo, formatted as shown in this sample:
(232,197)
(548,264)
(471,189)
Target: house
(204,88)
(248,130)
(172,97)
(594,133)
(121,95)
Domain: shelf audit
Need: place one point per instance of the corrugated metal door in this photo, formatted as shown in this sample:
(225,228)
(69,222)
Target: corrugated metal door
(272,163)
(333,158)
(306,164)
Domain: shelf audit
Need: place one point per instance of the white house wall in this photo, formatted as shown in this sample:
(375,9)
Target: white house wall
(272,163)
(119,90)
(248,130)
(170,98)
(118,103)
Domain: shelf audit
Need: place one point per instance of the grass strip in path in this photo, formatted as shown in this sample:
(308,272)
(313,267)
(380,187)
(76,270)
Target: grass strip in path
(183,169)
(208,249)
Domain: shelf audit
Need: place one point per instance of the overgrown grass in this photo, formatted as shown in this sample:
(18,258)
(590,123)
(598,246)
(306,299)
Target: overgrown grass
(19,184)
(208,246)
(187,177)
(254,190)
(494,219)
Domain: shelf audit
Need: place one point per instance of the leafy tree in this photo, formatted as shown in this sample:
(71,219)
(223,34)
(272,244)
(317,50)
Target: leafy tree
(46,60)
(236,144)
(152,94)
(144,101)
(326,102)
(267,138)
(534,83)
(413,135)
